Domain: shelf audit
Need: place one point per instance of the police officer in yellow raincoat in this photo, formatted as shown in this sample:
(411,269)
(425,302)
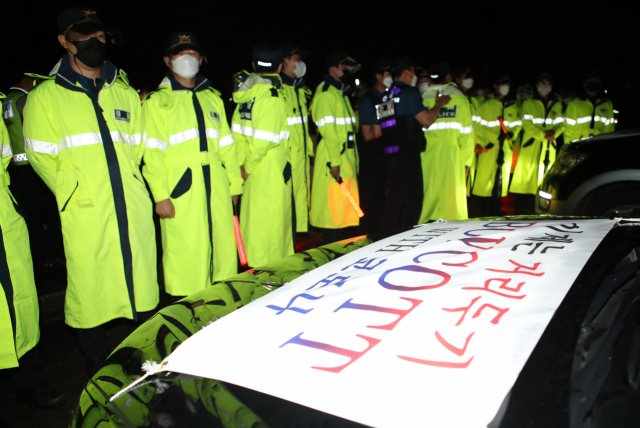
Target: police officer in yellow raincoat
(259,126)
(84,139)
(36,201)
(450,150)
(337,154)
(300,144)
(465,81)
(495,146)
(590,114)
(541,126)
(192,169)
(19,315)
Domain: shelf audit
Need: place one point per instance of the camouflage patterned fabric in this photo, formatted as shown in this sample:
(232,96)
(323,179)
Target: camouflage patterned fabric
(197,401)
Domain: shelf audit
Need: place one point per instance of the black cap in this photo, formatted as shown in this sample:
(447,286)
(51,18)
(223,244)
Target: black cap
(465,70)
(291,49)
(439,70)
(267,54)
(401,64)
(182,40)
(593,74)
(381,66)
(337,58)
(82,20)
(544,75)
(501,78)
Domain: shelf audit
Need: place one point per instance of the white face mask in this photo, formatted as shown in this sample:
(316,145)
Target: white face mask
(186,66)
(423,86)
(544,90)
(414,80)
(301,69)
(387,81)
(504,89)
(467,83)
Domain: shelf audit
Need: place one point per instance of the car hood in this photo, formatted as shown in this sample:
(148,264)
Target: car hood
(404,331)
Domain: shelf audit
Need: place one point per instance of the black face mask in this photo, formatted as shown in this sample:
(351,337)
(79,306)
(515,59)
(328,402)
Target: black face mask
(91,52)
(593,86)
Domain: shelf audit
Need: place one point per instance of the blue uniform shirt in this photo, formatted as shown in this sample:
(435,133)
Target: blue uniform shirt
(410,103)
(367,108)
(88,84)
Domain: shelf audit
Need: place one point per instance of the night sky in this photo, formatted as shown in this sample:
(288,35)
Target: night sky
(522,38)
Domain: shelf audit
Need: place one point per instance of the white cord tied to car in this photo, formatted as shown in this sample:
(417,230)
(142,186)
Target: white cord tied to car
(150,368)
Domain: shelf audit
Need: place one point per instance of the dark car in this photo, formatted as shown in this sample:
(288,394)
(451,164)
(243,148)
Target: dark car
(599,176)
(584,371)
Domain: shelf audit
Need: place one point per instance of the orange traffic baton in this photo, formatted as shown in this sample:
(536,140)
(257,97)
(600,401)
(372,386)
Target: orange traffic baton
(239,243)
(348,194)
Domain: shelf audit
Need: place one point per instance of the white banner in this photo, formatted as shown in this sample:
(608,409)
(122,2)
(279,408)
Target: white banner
(427,328)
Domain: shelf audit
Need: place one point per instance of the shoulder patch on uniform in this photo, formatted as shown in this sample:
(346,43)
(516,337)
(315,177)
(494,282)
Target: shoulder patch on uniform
(7,110)
(245,109)
(122,115)
(447,112)
(274,92)
(215,117)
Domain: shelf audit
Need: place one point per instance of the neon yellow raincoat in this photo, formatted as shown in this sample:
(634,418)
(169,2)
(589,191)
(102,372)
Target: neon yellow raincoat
(584,119)
(13,120)
(87,147)
(449,149)
(488,132)
(334,117)
(19,315)
(190,158)
(538,115)
(260,129)
(300,146)
(474,103)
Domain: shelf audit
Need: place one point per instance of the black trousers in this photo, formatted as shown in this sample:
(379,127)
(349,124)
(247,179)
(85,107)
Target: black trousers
(93,343)
(38,205)
(490,207)
(329,236)
(372,188)
(28,375)
(405,191)
(525,204)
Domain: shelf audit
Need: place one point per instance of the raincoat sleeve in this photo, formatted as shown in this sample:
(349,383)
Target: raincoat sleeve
(536,131)
(5,146)
(305,94)
(479,129)
(266,130)
(137,134)
(558,126)
(324,114)
(41,141)
(155,169)
(570,122)
(238,136)
(610,125)
(515,126)
(467,143)
(229,155)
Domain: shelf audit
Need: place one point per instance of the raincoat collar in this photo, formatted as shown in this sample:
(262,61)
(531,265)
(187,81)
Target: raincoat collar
(202,83)
(297,83)
(341,86)
(68,78)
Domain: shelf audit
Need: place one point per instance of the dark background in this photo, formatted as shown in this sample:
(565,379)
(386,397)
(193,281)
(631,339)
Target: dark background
(566,39)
